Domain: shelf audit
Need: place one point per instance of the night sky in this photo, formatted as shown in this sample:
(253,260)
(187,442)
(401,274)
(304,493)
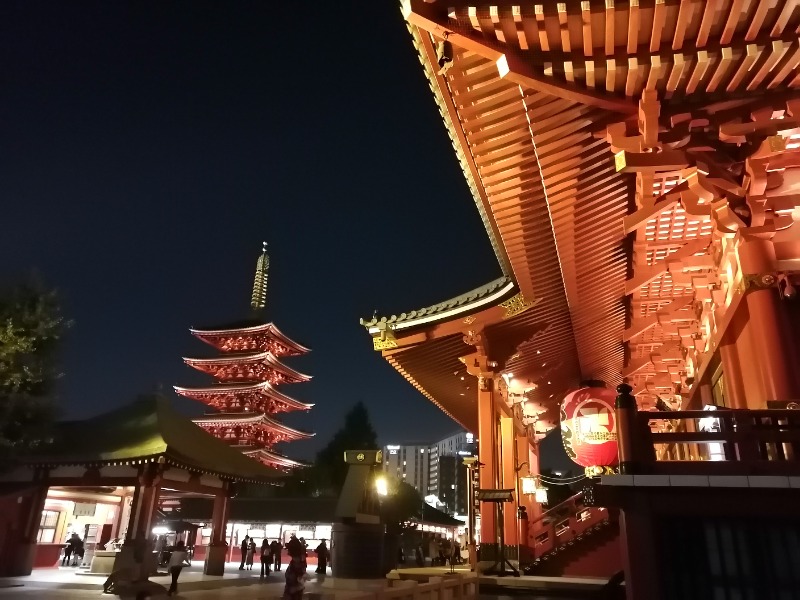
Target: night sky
(146,150)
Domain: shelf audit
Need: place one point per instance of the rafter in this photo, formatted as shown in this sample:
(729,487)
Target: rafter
(510,65)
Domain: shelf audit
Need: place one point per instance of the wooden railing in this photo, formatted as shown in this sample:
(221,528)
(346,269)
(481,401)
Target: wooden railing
(721,442)
(559,526)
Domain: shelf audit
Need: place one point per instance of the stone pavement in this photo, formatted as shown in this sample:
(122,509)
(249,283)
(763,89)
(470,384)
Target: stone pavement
(67,584)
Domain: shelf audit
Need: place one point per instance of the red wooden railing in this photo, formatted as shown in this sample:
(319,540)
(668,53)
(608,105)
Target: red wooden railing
(733,442)
(561,525)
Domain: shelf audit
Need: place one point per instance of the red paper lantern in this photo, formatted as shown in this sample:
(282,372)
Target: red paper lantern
(589,427)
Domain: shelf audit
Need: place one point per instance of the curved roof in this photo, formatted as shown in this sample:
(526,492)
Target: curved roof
(246,417)
(259,357)
(248,327)
(487,295)
(263,387)
(145,431)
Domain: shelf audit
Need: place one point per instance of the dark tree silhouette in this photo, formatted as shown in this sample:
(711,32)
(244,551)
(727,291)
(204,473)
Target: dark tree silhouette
(31,326)
(326,476)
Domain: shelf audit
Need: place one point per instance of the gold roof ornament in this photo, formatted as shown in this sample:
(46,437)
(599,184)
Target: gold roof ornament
(259,299)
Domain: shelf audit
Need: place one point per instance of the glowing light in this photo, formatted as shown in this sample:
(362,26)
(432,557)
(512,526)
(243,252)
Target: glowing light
(160,530)
(381,486)
(541,495)
(528,485)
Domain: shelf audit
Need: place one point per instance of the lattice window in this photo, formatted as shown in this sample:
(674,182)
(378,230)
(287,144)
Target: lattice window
(47,527)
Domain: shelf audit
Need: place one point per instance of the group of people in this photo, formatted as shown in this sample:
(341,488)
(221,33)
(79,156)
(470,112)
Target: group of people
(441,552)
(73,550)
(270,554)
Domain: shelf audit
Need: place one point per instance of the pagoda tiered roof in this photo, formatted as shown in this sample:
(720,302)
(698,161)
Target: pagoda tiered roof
(261,366)
(278,431)
(261,396)
(250,336)
(272,459)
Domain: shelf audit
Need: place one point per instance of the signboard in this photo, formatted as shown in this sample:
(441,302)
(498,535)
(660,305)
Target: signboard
(84,509)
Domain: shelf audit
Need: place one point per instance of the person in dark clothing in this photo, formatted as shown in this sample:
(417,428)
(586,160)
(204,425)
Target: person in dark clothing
(322,557)
(266,558)
(275,550)
(69,548)
(245,546)
(295,547)
(295,578)
(176,562)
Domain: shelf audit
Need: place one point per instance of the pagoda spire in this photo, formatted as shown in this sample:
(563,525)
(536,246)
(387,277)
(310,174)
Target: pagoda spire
(259,299)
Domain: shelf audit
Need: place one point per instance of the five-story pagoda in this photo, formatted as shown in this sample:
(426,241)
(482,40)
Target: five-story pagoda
(243,396)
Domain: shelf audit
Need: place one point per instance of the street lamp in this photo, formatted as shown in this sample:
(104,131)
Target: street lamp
(381,486)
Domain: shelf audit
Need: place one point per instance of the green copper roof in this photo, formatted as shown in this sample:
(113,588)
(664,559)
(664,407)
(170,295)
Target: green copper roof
(464,301)
(148,429)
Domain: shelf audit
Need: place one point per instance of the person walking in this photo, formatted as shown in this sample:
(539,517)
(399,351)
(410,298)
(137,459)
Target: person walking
(295,578)
(245,546)
(266,558)
(275,551)
(251,553)
(322,557)
(176,561)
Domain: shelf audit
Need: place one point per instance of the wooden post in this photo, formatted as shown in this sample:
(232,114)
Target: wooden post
(628,433)
(218,546)
(508,458)
(774,349)
(24,556)
(732,376)
(486,455)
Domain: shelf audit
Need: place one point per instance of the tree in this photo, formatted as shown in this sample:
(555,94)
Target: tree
(329,470)
(31,326)
(402,503)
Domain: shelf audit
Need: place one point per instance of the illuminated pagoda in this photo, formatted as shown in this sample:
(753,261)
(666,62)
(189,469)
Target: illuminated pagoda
(243,396)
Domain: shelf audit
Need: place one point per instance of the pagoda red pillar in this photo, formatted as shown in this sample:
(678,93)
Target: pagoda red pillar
(732,377)
(773,348)
(218,545)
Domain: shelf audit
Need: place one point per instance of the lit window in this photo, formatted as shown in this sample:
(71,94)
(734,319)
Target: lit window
(47,527)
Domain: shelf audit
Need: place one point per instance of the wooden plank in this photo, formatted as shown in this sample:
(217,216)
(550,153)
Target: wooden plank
(494,15)
(563,26)
(538,11)
(679,66)
(684,18)
(586,27)
(610,28)
(522,39)
(777,51)
(752,53)
(721,70)
(633,26)
(786,13)
(659,17)
(790,65)
(656,71)
(700,69)
(757,20)
(708,20)
(734,14)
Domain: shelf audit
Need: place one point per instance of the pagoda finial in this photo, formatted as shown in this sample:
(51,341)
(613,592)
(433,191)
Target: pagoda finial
(259,298)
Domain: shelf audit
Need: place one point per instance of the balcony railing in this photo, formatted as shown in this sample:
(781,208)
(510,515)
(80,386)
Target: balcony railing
(560,526)
(717,442)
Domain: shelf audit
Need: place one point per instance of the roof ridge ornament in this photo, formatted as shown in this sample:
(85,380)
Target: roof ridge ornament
(258,301)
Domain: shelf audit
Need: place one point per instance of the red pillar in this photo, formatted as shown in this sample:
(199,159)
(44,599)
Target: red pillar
(487,449)
(509,462)
(136,560)
(218,546)
(774,347)
(637,539)
(24,555)
(732,377)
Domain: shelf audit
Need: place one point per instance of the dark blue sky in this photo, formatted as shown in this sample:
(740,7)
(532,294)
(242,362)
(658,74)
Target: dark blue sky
(147,148)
